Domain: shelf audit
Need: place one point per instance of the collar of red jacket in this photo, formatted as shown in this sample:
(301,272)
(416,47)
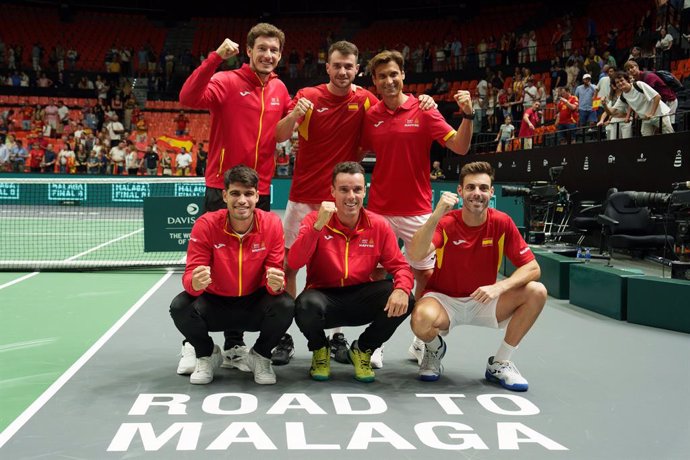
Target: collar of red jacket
(256,227)
(363,223)
(251,76)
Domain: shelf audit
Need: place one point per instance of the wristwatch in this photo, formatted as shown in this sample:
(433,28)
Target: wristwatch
(468,117)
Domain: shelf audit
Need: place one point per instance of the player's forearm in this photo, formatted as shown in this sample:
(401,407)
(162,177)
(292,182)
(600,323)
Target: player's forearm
(421,246)
(285,127)
(523,275)
(460,143)
(193,92)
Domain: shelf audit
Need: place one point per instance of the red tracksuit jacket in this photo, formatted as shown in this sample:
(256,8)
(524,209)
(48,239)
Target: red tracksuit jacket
(244,115)
(238,266)
(338,256)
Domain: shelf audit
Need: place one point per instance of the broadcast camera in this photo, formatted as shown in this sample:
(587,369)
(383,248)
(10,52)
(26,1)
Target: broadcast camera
(537,190)
(548,208)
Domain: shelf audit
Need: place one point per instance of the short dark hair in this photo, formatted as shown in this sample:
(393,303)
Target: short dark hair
(477,167)
(243,175)
(621,74)
(347,167)
(264,29)
(384,57)
(343,47)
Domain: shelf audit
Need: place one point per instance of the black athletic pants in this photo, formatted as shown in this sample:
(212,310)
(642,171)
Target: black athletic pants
(319,309)
(260,311)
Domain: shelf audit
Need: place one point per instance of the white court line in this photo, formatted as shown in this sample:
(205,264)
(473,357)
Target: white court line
(19,422)
(18,280)
(104,244)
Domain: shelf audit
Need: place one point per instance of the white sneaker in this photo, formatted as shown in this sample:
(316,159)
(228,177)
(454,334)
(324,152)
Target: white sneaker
(261,367)
(187,362)
(235,358)
(505,373)
(430,369)
(377,358)
(416,350)
(205,367)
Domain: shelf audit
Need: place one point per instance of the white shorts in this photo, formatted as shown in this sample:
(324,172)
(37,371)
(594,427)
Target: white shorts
(467,311)
(404,228)
(294,213)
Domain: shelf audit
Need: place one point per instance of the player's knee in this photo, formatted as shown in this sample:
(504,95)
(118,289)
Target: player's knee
(537,293)
(422,317)
(181,304)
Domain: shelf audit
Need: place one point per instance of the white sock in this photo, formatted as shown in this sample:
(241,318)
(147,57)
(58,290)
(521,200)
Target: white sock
(505,352)
(434,345)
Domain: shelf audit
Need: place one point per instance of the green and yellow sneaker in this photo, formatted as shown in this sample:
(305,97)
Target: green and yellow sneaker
(362,362)
(320,364)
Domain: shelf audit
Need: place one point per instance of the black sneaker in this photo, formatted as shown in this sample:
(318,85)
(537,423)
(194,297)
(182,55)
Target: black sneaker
(285,350)
(340,348)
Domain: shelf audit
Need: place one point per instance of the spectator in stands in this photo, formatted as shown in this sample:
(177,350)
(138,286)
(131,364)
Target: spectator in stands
(201,157)
(151,161)
(181,122)
(81,160)
(63,115)
(5,164)
(532,46)
(567,108)
(51,117)
(93,164)
(585,94)
(116,157)
(668,96)
(506,132)
(217,297)
(530,93)
(645,102)
(530,119)
(66,159)
(49,159)
(132,162)
(72,57)
(593,63)
(183,162)
(18,156)
(35,158)
(166,164)
(617,127)
(115,130)
(436,171)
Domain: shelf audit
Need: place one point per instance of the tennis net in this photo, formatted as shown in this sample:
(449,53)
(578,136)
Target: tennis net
(80,223)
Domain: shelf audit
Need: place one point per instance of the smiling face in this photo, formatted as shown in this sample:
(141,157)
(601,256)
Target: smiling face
(348,192)
(476,191)
(264,55)
(388,79)
(241,201)
(342,69)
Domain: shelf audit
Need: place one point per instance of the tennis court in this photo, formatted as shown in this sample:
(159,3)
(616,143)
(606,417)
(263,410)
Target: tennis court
(88,371)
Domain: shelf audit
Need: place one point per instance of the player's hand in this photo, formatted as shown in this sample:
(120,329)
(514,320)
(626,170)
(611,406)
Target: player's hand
(446,202)
(275,279)
(326,210)
(228,48)
(427,102)
(201,277)
(302,107)
(464,101)
(397,303)
(486,294)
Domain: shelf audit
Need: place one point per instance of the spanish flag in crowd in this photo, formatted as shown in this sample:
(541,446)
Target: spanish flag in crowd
(174,143)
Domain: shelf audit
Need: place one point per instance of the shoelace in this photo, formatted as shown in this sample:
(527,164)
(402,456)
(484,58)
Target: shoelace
(364,359)
(429,355)
(507,366)
(203,365)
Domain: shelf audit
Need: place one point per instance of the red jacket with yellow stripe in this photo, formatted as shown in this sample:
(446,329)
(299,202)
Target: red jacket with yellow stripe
(238,265)
(244,115)
(338,256)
